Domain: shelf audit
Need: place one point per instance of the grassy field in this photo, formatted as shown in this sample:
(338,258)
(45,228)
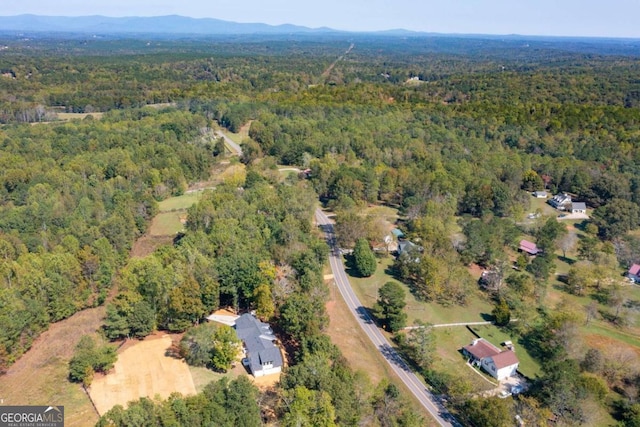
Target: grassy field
(70,116)
(182,202)
(39,377)
(496,336)
(239,136)
(367,291)
(449,341)
(143,369)
(167,224)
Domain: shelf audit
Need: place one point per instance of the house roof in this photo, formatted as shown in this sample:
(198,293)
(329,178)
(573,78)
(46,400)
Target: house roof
(258,340)
(579,206)
(635,269)
(396,232)
(481,349)
(406,245)
(504,359)
(562,198)
(529,247)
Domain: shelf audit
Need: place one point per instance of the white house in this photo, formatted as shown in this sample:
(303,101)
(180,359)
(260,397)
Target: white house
(499,364)
(634,273)
(502,365)
(263,357)
(578,207)
(561,201)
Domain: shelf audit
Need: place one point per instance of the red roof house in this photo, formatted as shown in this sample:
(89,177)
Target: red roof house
(529,247)
(634,273)
(499,364)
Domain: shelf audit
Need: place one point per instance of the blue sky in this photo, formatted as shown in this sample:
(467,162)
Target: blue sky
(606,18)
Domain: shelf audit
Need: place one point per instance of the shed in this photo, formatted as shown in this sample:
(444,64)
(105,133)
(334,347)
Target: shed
(529,247)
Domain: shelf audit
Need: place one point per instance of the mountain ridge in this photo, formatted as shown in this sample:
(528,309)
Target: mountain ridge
(168,24)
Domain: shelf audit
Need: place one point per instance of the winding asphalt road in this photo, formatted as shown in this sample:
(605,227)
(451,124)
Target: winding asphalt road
(399,366)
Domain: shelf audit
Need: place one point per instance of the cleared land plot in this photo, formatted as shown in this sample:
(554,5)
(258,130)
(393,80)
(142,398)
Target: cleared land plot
(71,116)
(167,223)
(182,202)
(142,370)
(146,244)
(39,377)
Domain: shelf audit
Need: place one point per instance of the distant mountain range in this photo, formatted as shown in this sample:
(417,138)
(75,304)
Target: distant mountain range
(172,24)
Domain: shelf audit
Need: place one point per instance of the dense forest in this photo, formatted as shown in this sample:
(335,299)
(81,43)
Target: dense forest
(452,133)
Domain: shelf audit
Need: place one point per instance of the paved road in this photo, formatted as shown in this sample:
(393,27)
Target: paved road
(399,366)
(235,148)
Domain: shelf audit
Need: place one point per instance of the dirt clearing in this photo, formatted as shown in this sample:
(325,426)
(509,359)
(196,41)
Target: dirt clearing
(142,370)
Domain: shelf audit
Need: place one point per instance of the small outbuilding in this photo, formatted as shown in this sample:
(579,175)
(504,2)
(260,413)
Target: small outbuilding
(578,207)
(529,247)
(540,194)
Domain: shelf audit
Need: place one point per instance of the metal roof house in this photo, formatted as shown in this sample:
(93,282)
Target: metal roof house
(263,357)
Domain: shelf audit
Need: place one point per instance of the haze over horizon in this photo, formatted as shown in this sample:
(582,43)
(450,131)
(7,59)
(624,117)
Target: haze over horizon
(586,18)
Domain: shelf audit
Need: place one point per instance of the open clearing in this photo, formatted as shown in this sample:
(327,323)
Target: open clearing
(182,202)
(142,370)
(39,377)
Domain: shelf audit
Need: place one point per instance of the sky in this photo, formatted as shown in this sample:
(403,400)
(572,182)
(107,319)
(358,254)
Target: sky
(600,18)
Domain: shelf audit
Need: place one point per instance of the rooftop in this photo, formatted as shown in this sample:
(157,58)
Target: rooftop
(529,247)
(504,359)
(635,269)
(258,340)
(481,348)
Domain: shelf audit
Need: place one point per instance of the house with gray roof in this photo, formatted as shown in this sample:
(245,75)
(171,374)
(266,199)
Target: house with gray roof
(561,201)
(578,207)
(262,356)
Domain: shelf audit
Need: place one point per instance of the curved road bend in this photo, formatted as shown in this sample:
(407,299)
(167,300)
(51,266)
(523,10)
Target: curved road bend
(399,366)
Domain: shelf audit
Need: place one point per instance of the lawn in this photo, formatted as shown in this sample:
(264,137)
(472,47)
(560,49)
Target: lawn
(202,376)
(496,336)
(182,202)
(449,341)
(167,224)
(541,205)
(367,291)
